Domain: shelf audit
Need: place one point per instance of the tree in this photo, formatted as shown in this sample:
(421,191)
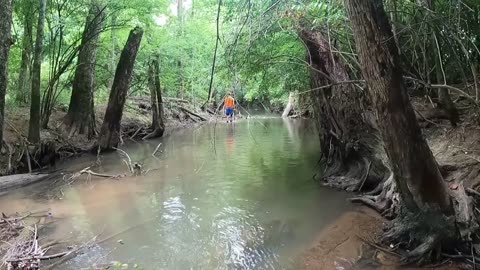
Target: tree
(158,124)
(81,115)
(181,92)
(217,39)
(110,132)
(347,137)
(34,124)
(27,47)
(5,43)
(415,170)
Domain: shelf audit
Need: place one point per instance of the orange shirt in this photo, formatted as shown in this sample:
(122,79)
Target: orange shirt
(229,102)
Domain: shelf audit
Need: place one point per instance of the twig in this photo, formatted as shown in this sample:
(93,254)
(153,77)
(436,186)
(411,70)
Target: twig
(10,154)
(156,149)
(136,133)
(330,85)
(28,159)
(129,164)
(378,247)
(460,91)
(42,258)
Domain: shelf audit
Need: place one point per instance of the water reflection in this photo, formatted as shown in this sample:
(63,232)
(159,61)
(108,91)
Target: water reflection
(244,200)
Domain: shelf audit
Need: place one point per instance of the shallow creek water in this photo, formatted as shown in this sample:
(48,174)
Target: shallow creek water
(222,196)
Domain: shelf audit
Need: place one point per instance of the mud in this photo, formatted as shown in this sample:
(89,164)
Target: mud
(346,245)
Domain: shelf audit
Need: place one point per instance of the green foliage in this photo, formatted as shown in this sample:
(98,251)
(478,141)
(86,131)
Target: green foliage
(260,55)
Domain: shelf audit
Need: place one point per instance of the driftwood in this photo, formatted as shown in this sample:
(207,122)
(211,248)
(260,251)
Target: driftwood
(146,99)
(20,180)
(192,113)
(289,107)
(89,173)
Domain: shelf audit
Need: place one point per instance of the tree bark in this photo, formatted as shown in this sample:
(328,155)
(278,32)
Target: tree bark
(34,124)
(346,130)
(23,84)
(158,124)
(416,172)
(5,43)
(81,115)
(110,132)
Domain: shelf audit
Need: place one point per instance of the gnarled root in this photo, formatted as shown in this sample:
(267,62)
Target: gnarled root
(423,233)
(386,202)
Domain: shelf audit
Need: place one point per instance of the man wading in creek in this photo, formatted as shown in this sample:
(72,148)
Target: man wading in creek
(229,106)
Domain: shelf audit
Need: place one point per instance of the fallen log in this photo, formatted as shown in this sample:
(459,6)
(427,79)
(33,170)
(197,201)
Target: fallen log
(210,111)
(20,180)
(192,113)
(165,99)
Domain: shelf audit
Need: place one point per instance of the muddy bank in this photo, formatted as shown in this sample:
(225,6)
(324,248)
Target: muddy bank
(20,156)
(347,244)
(457,151)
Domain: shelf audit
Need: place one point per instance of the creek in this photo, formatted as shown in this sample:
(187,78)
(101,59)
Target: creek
(219,196)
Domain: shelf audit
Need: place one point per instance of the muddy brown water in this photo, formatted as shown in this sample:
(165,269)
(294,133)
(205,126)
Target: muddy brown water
(222,196)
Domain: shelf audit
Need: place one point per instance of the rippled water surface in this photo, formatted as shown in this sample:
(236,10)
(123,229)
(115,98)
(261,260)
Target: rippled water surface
(224,196)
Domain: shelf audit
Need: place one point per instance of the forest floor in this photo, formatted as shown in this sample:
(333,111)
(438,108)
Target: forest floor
(135,124)
(348,243)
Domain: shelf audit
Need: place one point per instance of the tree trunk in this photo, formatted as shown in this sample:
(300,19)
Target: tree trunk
(181,91)
(81,115)
(415,169)
(158,125)
(110,132)
(289,107)
(346,130)
(21,96)
(113,49)
(5,43)
(34,124)
(212,73)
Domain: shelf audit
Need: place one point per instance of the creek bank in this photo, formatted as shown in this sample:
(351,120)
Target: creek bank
(18,156)
(457,151)
(348,244)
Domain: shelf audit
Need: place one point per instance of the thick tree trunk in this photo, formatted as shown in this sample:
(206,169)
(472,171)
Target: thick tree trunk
(110,132)
(5,43)
(347,132)
(21,96)
(416,172)
(81,115)
(34,124)
(158,125)
(289,107)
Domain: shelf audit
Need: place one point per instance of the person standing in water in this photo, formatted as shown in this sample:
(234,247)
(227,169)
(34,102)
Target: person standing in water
(229,106)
